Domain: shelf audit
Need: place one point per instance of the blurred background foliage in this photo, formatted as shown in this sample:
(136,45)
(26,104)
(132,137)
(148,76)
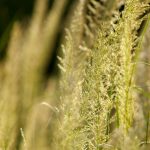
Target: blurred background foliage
(21,10)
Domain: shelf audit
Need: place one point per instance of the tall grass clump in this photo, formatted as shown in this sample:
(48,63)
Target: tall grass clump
(71,64)
(99,100)
(109,80)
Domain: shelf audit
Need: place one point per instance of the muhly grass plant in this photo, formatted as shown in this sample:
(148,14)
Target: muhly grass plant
(100,99)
